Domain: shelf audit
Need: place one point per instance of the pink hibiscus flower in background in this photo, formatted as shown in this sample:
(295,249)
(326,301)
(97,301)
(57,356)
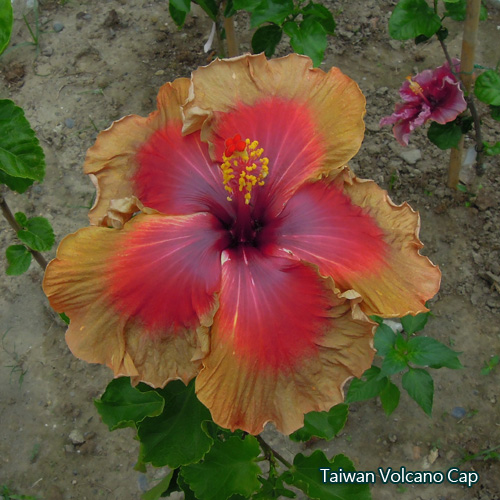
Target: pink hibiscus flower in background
(432,95)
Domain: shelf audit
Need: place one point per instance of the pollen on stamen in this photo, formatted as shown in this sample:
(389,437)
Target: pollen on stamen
(243,167)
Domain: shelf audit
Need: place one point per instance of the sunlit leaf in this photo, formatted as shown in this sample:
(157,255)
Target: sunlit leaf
(176,436)
(122,405)
(322,424)
(308,37)
(425,351)
(487,87)
(306,474)
(18,258)
(37,234)
(420,386)
(229,468)
(411,18)
(20,151)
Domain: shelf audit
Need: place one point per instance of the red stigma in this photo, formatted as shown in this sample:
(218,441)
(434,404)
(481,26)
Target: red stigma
(234,144)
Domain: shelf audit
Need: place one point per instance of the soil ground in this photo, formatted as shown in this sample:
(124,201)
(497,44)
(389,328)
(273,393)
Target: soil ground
(100,60)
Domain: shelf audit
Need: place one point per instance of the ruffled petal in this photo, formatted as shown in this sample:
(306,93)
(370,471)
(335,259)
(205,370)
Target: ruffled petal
(331,101)
(283,343)
(140,299)
(111,162)
(354,233)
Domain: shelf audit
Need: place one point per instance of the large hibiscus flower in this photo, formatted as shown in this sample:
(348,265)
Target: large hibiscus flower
(256,256)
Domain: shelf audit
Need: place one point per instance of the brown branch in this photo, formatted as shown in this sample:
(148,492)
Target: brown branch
(268,450)
(232,44)
(13,223)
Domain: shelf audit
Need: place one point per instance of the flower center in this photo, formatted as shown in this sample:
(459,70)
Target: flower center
(417,89)
(243,167)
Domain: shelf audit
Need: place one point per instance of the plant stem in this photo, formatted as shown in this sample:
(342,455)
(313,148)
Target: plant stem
(466,72)
(268,450)
(232,44)
(13,223)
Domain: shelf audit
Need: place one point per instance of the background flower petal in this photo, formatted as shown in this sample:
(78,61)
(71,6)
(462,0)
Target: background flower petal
(282,344)
(111,161)
(333,99)
(140,299)
(354,233)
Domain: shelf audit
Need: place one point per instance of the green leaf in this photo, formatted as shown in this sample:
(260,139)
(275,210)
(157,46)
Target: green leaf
(411,18)
(248,5)
(122,405)
(17,184)
(272,488)
(19,259)
(20,151)
(64,318)
(21,219)
(445,136)
(377,319)
(425,351)
(495,112)
(38,234)
(322,424)
(389,398)
(367,387)
(176,436)
(420,386)
(210,7)
(384,339)
(178,15)
(487,87)
(271,11)
(229,468)
(321,14)
(6,19)
(306,474)
(157,491)
(492,150)
(395,360)
(266,38)
(308,38)
(229,11)
(455,9)
(412,324)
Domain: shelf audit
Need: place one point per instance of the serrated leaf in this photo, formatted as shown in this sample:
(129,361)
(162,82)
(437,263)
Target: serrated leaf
(18,258)
(492,150)
(38,234)
(6,19)
(122,405)
(411,18)
(308,38)
(389,398)
(321,14)
(266,38)
(229,468)
(395,360)
(306,475)
(487,87)
(271,11)
(445,136)
(420,386)
(20,151)
(369,386)
(412,324)
(322,424)
(178,16)
(384,339)
(210,7)
(157,491)
(456,10)
(426,351)
(176,436)
(17,184)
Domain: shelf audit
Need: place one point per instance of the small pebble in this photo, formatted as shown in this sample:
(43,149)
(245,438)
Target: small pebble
(458,412)
(58,26)
(69,122)
(76,437)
